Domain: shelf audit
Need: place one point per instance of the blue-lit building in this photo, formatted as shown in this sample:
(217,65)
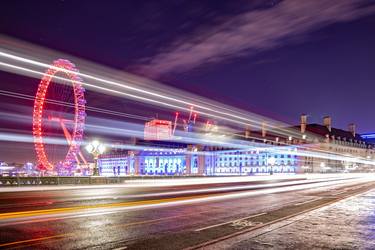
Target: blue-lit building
(312,148)
(250,162)
(162,162)
(155,158)
(168,158)
(114,165)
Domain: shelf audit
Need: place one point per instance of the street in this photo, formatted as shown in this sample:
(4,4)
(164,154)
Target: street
(153,216)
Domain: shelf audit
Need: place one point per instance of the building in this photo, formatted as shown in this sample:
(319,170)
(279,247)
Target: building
(171,158)
(305,148)
(252,161)
(158,130)
(333,149)
(155,158)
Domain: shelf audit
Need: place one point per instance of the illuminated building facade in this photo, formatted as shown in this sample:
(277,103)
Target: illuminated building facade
(187,161)
(312,148)
(158,130)
(162,162)
(251,162)
(341,145)
(158,158)
(115,165)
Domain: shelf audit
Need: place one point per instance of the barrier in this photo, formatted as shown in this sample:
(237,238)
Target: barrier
(64,180)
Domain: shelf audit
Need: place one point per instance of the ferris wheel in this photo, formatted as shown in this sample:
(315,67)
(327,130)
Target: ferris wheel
(59,116)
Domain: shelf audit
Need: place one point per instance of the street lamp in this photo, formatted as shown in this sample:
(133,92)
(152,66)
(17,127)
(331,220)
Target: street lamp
(95,148)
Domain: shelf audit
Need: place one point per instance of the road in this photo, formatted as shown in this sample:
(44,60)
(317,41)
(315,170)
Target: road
(158,215)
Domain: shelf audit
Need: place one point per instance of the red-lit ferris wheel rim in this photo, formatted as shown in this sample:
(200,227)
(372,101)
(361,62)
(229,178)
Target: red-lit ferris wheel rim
(69,69)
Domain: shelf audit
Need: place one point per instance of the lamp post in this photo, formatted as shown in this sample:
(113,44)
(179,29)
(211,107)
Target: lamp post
(95,148)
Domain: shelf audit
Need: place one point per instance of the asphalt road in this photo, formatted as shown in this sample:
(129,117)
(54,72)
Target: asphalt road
(173,217)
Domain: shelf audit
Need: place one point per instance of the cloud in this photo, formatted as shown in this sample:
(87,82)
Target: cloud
(251,32)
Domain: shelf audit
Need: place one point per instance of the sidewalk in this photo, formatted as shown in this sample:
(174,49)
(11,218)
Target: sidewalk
(348,224)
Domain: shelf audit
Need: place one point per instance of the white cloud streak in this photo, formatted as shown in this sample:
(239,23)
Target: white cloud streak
(253,31)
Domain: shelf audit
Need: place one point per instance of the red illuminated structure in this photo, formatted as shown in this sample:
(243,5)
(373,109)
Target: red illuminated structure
(66,67)
(158,130)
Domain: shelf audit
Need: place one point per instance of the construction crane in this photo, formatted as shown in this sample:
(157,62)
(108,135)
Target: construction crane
(187,124)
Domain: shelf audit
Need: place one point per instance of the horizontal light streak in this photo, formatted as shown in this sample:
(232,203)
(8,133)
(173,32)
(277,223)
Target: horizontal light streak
(116,92)
(71,212)
(230,116)
(67,104)
(275,150)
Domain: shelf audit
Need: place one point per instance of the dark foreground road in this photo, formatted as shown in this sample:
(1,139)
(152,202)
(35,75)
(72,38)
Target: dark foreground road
(160,216)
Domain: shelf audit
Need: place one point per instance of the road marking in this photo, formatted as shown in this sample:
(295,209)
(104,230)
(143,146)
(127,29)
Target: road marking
(33,240)
(13,215)
(241,224)
(214,241)
(111,226)
(57,237)
(228,222)
(339,193)
(312,200)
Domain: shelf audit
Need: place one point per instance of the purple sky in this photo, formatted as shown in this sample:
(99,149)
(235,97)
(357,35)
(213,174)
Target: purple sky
(277,58)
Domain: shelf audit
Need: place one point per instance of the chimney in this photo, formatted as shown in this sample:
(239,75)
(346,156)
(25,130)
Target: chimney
(303,123)
(352,129)
(327,121)
(247,132)
(264,131)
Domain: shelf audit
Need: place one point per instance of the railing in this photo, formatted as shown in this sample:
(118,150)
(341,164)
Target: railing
(60,180)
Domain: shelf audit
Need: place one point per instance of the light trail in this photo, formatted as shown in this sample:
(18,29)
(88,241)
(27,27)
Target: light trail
(184,181)
(121,85)
(319,155)
(144,99)
(222,115)
(20,48)
(226,189)
(89,210)
(137,131)
(234,118)
(67,104)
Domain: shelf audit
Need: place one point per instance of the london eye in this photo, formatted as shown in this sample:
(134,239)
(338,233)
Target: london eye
(59,116)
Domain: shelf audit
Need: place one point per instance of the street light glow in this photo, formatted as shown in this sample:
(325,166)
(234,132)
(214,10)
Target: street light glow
(95,148)
(101,148)
(95,143)
(89,148)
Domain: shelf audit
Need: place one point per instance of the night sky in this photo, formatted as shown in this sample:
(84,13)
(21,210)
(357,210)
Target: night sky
(276,58)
